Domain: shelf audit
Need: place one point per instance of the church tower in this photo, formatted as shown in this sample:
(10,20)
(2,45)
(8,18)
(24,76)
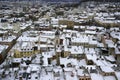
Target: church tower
(57,42)
(57,39)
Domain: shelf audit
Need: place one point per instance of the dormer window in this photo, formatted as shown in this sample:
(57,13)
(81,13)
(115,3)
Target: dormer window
(117,34)
(94,39)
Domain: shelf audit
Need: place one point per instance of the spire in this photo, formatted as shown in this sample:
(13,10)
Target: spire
(57,33)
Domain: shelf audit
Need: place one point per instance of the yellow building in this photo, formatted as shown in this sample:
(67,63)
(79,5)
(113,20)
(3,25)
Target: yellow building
(24,49)
(70,24)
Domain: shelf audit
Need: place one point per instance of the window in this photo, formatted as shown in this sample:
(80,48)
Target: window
(21,53)
(81,78)
(36,77)
(29,77)
(89,79)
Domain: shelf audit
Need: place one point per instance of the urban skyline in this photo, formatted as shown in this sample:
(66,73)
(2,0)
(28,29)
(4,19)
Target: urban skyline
(59,40)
